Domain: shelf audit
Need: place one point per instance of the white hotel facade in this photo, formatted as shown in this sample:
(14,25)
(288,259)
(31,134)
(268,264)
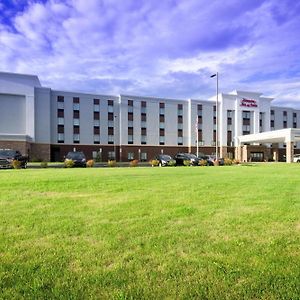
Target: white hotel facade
(46,123)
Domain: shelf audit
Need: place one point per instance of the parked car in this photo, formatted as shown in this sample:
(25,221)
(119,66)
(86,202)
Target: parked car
(181,157)
(7,156)
(77,157)
(297,158)
(209,161)
(213,159)
(165,160)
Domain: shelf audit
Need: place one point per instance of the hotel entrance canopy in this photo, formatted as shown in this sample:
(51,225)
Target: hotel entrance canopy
(288,136)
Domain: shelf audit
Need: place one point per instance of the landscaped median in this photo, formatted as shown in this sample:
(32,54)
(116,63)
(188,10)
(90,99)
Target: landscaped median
(151,233)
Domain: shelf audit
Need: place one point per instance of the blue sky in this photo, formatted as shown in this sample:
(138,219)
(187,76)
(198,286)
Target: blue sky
(165,48)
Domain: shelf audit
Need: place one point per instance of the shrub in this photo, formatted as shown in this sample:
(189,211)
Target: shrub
(187,162)
(44,164)
(235,161)
(16,164)
(172,163)
(111,163)
(134,163)
(90,163)
(227,162)
(202,162)
(216,163)
(69,163)
(154,162)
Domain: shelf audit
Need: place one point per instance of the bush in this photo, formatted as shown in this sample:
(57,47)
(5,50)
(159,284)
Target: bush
(90,163)
(111,163)
(16,164)
(227,162)
(172,163)
(235,161)
(134,163)
(44,164)
(202,162)
(187,162)
(154,162)
(69,163)
(216,163)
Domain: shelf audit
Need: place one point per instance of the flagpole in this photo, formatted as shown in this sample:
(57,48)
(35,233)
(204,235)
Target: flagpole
(217,113)
(197,136)
(217,119)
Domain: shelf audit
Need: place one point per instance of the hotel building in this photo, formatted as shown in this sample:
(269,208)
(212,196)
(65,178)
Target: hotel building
(46,123)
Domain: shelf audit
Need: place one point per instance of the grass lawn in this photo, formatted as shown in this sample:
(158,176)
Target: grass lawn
(154,233)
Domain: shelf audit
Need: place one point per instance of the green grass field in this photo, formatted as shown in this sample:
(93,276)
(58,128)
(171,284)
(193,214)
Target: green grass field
(151,233)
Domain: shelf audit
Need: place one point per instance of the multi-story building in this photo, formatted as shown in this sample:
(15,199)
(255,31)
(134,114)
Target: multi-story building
(46,123)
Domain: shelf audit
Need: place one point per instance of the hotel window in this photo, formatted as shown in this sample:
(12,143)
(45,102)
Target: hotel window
(261,118)
(130,119)
(60,117)
(294,120)
(272,124)
(214,111)
(143,156)
(143,107)
(180,110)
(76,138)
(110,118)
(130,135)
(110,107)
(60,133)
(143,136)
(229,138)
(284,124)
(246,129)
(96,138)
(143,120)
(130,156)
(76,122)
(161,136)
(60,102)
(111,155)
(161,108)
(180,122)
(179,137)
(110,132)
(214,138)
(60,137)
(161,121)
(76,103)
(200,137)
(96,105)
(130,106)
(199,110)
(96,135)
(272,115)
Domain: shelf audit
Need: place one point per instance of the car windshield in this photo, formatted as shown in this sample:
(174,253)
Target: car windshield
(165,157)
(191,155)
(7,153)
(75,155)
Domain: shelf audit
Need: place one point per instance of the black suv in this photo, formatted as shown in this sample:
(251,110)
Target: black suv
(181,157)
(77,157)
(7,156)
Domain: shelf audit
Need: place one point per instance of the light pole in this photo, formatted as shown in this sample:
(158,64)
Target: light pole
(217,129)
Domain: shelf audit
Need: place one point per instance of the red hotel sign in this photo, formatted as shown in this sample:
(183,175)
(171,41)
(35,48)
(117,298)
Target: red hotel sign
(248,102)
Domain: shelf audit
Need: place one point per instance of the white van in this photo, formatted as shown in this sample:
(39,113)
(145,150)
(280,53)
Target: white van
(297,158)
